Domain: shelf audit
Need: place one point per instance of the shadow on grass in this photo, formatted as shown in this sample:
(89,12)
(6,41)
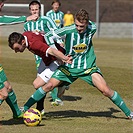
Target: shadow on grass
(68,114)
(12,122)
(78,113)
(69,98)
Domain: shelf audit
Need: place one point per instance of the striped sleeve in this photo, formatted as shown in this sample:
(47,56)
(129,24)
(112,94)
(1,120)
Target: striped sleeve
(12,19)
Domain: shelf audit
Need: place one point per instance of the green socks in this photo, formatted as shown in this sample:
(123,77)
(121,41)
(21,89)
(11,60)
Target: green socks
(39,94)
(117,100)
(12,102)
(53,94)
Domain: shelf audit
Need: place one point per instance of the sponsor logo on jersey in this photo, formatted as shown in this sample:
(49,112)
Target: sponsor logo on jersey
(80,48)
(57,21)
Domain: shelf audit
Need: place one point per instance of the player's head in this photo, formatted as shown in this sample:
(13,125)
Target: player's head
(35,7)
(16,41)
(55,5)
(81,20)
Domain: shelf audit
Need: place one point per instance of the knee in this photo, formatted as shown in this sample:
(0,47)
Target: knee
(35,84)
(108,92)
(9,88)
(3,96)
(48,87)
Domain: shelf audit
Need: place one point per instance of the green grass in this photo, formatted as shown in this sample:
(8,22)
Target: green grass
(85,109)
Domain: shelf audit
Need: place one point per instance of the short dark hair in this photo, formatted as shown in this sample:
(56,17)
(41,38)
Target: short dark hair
(15,38)
(54,1)
(35,2)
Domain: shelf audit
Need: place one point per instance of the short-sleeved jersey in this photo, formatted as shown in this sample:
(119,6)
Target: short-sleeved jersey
(57,17)
(68,19)
(44,24)
(38,46)
(79,46)
(12,19)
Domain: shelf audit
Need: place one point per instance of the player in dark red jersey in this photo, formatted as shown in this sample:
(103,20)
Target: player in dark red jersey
(35,43)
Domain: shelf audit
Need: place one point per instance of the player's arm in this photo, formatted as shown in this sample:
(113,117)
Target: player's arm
(15,19)
(59,55)
(62,32)
(51,26)
(92,27)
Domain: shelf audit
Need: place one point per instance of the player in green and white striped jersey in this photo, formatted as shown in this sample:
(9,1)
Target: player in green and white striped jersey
(4,19)
(6,90)
(55,14)
(78,44)
(42,24)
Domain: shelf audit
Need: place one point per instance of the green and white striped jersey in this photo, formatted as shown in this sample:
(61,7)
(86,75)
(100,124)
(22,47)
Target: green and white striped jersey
(44,24)
(12,19)
(57,17)
(79,46)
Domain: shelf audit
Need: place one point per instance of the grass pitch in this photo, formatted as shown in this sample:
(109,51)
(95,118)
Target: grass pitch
(85,109)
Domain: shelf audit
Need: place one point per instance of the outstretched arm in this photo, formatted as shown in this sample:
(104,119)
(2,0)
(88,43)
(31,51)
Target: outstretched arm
(4,20)
(60,55)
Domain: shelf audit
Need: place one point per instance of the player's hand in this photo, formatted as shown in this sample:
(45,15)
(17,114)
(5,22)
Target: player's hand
(32,17)
(68,60)
(62,45)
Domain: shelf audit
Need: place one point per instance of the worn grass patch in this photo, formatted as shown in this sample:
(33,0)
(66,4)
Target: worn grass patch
(85,109)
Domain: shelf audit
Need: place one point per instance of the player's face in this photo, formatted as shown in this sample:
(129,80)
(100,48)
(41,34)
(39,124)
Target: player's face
(34,9)
(18,48)
(80,26)
(55,6)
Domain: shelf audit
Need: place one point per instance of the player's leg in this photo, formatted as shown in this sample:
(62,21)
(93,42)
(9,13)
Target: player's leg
(101,85)
(40,104)
(40,93)
(61,90)
(12,101)
(3,89)
(47,73)
(40,68)
(9,94)
(3,93)
(40,81)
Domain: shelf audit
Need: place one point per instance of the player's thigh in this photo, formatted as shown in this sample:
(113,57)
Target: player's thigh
(101,84)
(38,82)
(41,67)
(3,93)
(64,76)
(48,72)
(87,78)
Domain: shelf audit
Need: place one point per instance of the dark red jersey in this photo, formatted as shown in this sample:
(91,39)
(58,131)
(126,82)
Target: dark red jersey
(38,46)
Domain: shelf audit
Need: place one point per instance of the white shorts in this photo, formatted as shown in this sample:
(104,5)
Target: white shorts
(48,71)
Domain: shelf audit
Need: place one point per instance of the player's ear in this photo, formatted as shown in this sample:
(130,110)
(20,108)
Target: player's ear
(23,42)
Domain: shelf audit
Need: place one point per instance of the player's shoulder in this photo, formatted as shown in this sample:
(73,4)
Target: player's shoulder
(46,19)
(26,23)
(61,12)
(49,12)
(91,25)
